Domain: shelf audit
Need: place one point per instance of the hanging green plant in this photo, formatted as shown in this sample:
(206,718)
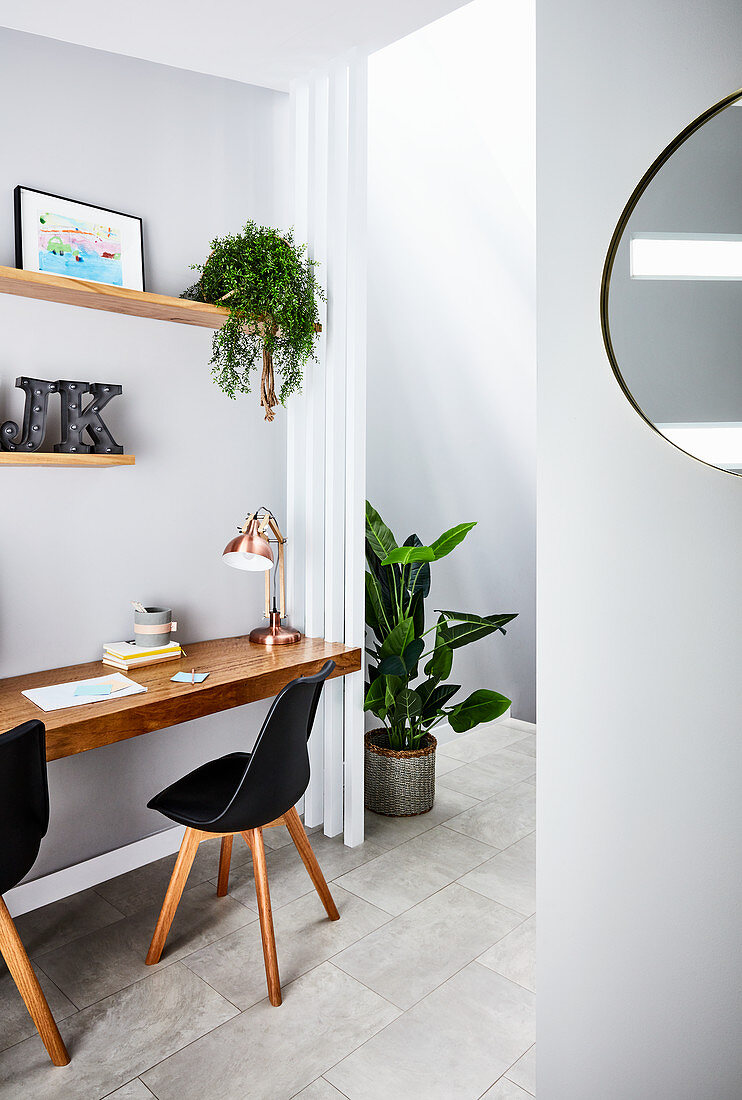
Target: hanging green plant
(267,283)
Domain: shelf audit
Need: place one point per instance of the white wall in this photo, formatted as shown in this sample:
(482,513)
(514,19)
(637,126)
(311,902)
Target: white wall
(451,361)
(640,693)
(194,156)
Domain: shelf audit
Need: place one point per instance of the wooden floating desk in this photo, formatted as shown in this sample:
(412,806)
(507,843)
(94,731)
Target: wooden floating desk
(239,672)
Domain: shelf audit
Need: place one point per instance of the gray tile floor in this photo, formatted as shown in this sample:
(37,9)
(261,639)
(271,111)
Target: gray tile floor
(424,988)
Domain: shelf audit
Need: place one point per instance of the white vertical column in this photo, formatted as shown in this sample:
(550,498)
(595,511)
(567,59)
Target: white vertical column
(337,256)
(355,434)
(326,426)
(296,515)
(314,452)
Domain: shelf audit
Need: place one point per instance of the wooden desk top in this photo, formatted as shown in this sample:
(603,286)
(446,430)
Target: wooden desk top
(239,672)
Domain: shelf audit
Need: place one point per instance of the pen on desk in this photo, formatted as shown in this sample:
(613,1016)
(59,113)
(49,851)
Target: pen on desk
(193,675)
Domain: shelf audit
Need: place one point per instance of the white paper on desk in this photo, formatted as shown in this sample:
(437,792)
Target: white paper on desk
(60,696)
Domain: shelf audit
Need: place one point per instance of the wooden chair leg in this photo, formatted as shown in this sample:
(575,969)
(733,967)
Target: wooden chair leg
(304,848)
(25,978)
(254,838)
(225,858)
(178,879)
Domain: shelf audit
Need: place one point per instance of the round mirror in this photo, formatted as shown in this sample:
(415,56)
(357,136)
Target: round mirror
(671,298)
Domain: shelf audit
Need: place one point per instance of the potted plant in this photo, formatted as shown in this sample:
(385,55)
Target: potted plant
(269,287)
(400,756)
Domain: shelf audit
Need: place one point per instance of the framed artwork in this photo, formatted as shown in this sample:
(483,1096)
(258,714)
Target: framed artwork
(58,236)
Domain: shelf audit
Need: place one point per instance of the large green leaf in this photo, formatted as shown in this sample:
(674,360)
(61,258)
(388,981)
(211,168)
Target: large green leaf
(437,699)
(394,684)
(375,698)
(450,539)
(481,706)
(470,617)
(387,577)
(380,605)
(403,664)
(398,639)
(378,536)
(439,665)
(418,575)
(417,611)
(403,555)
(407,706)
(470,627)
(393,666)
(412,654)
(372,621)
(424,689)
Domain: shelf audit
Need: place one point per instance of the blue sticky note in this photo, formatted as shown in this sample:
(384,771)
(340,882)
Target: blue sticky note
(94,689)
(185,678)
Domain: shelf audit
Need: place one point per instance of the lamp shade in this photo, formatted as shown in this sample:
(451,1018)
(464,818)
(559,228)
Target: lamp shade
(250,550)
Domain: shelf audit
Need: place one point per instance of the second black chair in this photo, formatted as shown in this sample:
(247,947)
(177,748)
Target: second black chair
(246,793)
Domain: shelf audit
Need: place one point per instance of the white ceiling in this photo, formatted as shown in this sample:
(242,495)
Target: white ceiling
(267,43)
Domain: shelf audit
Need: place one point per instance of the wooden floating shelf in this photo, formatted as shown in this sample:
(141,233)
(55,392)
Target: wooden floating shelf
(114,299)
(15,458)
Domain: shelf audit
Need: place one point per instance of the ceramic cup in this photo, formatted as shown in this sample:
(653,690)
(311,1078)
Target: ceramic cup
(153,626)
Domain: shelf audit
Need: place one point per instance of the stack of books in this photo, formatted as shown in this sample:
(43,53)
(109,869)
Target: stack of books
(126,655)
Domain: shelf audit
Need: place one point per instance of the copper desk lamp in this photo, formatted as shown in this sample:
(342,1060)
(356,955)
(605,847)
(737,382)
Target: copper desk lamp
(251,550)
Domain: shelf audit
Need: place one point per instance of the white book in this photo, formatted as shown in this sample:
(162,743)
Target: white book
(128,650)
(61,696)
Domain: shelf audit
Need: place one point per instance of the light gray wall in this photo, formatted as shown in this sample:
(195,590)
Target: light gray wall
(678,342)
(451,356)
(194,156)
(640,694)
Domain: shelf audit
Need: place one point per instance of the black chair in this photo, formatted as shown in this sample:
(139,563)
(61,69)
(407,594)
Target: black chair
(246,793)
(24,819)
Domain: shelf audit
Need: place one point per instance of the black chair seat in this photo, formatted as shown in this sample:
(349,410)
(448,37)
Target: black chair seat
(201,796)
(247,790)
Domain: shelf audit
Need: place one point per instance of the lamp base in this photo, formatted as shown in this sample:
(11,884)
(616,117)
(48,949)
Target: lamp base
(275,633)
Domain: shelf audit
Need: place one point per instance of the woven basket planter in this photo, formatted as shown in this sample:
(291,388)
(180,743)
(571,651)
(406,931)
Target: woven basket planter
(399,784)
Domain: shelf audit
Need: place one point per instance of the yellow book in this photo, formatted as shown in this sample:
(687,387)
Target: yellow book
(127,651)
(142,663)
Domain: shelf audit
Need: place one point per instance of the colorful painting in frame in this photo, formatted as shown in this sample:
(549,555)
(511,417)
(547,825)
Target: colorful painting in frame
(57,236)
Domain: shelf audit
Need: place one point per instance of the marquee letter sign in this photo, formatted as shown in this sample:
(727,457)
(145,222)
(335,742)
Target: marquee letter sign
(75,419)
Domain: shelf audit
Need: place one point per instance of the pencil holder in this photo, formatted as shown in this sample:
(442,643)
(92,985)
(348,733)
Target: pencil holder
(152,627)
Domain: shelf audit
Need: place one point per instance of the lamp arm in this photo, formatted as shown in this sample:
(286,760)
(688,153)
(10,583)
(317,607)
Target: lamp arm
(276,529)
(281,570)
(267,519)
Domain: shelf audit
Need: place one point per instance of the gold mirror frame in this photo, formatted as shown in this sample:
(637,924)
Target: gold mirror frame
(610,258)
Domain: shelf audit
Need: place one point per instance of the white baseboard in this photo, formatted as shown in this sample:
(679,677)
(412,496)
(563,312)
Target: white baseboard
(61,884)
(519,724)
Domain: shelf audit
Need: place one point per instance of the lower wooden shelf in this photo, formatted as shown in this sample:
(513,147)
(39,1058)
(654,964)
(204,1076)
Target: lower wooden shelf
(13,458)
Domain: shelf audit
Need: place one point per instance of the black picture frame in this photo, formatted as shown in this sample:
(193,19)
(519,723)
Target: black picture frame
(19,216)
